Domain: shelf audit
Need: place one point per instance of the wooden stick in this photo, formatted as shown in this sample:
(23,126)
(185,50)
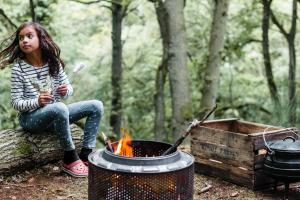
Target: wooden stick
(187,132)
(22,186)
(107,142)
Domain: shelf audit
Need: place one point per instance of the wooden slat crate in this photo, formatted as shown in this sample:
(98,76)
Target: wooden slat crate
(234,150)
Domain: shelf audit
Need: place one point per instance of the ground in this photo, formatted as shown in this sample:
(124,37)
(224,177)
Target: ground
(50,183)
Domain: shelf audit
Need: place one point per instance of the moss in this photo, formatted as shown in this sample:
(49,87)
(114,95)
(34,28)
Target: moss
(23,148)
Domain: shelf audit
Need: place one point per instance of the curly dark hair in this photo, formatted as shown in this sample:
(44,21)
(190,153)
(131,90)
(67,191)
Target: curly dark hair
(50,51)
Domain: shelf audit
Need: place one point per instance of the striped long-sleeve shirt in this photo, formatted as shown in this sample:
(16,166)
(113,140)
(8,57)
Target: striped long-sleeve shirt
(27,81)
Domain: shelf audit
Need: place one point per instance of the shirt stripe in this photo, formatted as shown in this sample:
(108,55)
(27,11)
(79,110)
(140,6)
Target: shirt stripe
(25,85)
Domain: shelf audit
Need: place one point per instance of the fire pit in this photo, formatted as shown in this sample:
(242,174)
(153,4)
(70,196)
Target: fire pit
(146,175)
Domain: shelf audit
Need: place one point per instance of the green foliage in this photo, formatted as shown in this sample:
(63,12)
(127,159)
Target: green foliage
(83,33)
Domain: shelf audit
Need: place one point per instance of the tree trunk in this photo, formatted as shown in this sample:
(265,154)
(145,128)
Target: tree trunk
(159,100)
(267,59)
(292,68)
(22,150)
(32,11)
(216,44)
(290,37)
(116,72)
(177,66)
(292,84)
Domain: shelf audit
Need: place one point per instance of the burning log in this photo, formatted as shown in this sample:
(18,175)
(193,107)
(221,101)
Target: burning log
(187,132)
(124,145)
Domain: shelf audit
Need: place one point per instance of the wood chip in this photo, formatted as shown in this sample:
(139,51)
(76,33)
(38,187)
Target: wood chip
(205,189)
(31,180)
(234,194)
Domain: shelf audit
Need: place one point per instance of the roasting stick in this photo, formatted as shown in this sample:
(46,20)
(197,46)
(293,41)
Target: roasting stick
(107,142)
(187,132)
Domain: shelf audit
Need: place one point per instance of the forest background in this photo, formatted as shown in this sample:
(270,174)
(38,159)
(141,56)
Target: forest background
(240,55)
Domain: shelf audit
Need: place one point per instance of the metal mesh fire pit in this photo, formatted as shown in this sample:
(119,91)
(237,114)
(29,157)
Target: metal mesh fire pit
(145,176)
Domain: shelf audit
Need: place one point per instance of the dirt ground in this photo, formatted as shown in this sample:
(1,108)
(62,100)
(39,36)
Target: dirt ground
(50,183)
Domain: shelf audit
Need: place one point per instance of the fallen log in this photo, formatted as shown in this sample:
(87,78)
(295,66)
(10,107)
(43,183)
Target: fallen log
(21,150)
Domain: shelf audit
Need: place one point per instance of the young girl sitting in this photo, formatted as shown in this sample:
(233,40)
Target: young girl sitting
(38,83)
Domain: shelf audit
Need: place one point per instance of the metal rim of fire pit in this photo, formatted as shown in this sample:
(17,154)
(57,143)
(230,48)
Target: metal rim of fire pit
(174,161)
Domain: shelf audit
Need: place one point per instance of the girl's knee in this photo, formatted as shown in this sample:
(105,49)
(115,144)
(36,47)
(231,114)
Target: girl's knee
(97,106)
(60,109)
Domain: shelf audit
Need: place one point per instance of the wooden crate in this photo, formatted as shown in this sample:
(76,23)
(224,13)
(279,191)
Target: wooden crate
(234,150)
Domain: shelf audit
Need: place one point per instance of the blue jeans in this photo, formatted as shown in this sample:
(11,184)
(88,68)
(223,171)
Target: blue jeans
(57,117)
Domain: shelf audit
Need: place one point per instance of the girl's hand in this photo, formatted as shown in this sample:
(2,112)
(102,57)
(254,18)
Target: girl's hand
(45,98)
(62,90)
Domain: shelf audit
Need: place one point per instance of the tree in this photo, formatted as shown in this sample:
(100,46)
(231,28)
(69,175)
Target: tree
(266,55)
(119,9)
(116,66)
(33,16)
(160,79)
(290,38)
(177,65)
(159,100)
(212,71)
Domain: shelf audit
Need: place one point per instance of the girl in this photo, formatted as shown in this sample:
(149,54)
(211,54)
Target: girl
(38,83)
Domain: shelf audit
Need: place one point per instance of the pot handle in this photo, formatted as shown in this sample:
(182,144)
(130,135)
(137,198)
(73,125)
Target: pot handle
(289,137)
(271,153)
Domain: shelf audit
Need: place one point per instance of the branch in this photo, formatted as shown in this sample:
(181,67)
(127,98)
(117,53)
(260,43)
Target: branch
(249,40)
(126,11)
(108,7)
(96,1)
(7,18)
(83,2)
(279,26)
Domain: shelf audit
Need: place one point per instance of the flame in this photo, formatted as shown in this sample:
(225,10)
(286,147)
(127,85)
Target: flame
(124,146)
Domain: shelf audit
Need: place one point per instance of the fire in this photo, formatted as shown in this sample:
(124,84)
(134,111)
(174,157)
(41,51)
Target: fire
(124,146)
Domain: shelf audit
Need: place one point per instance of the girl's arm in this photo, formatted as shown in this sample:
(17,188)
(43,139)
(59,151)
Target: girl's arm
(63,79)
(18,101)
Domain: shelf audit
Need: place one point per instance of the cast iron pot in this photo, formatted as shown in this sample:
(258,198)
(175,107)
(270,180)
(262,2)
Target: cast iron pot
(282,161)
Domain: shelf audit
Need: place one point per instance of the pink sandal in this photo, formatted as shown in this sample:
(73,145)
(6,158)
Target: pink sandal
(76,169)
(86,163)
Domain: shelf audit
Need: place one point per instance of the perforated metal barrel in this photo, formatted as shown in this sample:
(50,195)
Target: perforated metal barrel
(146,176)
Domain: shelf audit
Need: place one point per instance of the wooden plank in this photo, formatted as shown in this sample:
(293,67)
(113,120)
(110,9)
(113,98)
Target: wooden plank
(255,180)
(228,155)
(222,124)
(227,172)
(252,127)
(230,139)
(270,132)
